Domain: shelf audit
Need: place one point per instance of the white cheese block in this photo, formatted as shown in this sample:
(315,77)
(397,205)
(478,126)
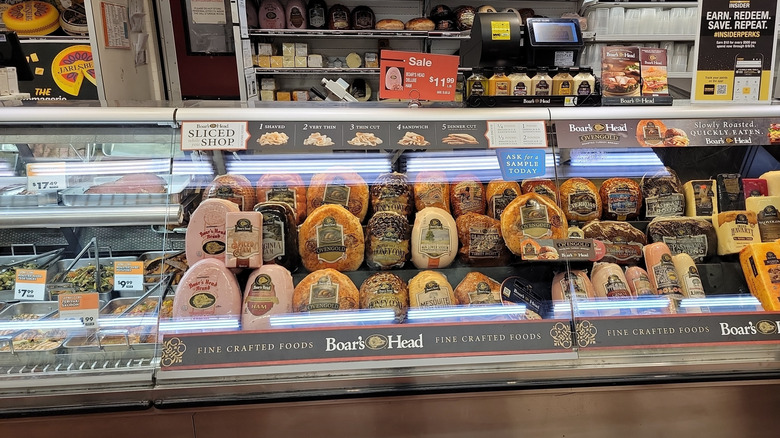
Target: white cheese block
(301,61)
(701,197)
(315,61)
(268,84)
(772,182)
(288,61)
(265,49)
(301,49)
(735,229)
(288,49)
(434,239)
(767,209)
(267,95)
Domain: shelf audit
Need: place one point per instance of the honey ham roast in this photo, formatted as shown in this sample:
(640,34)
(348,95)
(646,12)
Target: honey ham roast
(286,188)
(387,240)
(325,290)
(344,188)
(392,192)
(331,237)
(234,188)
(385,291)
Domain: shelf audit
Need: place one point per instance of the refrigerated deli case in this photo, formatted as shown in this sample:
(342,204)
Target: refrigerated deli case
(118,187)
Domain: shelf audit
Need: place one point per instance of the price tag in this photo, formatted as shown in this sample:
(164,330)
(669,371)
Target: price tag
(129,276)
(30,284)
(513,134)
(413,75)
(80,306)
(46,177)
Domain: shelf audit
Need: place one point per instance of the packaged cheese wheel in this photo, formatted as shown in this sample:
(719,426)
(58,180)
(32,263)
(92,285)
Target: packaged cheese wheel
(576,283)
(280,234)
(660,270)
(621,199)
(499,194)
(244,240)
(434,239)
(234,188)
(767,209)
(639,282)
(430,289)
(730,192)
(206,236)
(207,289)
(531,216)
(392,192)
(663,195)
(761,267)
(477,288)
(688,274)
(580,200)
(286,188)
(296,14)
(735,230)
(467,195)
(701,197)
(622,240)
(347,189)
(772,182)
(683,235)
(331,237)
(387,240)
(754,187)
(325,290)
(481,242)
(431,189)
(269,291)
(385,291)
(543,187)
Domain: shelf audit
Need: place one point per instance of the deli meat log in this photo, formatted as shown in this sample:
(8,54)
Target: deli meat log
(134,183)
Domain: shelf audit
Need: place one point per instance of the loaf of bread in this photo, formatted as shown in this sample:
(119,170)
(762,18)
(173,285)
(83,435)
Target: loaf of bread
(580,200)
(421,23)
(623,241)
(481,242)
(430,289)
(347,189)
(331,237)
(467,195)
(385,291)
(544,187)
(392,192)
(287,188)
(234,188)
(325,290)
(390,24)
(621,199)
(387,240)
(499,194)
(531,216)
(431,189)
(477,288)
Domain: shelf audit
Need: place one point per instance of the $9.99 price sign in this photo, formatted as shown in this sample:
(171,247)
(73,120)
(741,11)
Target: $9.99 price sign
(128,276)
(421,76)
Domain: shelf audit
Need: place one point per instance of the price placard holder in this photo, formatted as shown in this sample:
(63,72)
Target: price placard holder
(46,177)
(83,307)
(30,285)
(420,76)
(128,276)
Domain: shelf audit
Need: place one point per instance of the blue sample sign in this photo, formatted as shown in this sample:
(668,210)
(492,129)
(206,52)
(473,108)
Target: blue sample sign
(519,164)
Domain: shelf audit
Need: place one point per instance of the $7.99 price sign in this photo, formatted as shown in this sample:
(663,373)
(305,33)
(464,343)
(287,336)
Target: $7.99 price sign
(30,284)
(421,76)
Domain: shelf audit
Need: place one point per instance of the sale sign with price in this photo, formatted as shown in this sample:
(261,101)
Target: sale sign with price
(418,76)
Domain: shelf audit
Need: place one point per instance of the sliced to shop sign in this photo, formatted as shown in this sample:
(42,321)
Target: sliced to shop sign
(213,136)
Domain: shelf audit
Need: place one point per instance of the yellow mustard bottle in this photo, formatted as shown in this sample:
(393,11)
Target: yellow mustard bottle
(563,83)
(499,84)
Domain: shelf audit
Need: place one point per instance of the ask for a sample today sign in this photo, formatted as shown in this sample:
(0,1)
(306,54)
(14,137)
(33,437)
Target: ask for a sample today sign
(735,49)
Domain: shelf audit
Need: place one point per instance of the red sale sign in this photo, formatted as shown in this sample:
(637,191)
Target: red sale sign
(420,76)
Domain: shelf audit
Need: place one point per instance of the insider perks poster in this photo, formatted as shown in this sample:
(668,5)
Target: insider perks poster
(735,48)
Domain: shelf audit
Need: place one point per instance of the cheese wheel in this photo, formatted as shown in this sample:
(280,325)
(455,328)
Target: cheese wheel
(660,270)
(206,290)
(347,189)
(434,239)
(576,283)
(767,209)
(392,192)
(32,18)
(735,230)
(701,197)
(331,237)
(387,240)
(481,242)
(544,187)
(772,182)
(206,235)
(580,200)
(639,282)
(688,274)
(477,288)
(621,199)
(430,289)
(325,290)
(385,291)
(531,216)
(499,194)
(761,267)
(234,188)
(286,188)
(467,195)
(431,190)
(268,292)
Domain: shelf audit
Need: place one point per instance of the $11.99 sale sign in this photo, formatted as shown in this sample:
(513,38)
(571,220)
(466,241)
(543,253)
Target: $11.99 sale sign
(421,76)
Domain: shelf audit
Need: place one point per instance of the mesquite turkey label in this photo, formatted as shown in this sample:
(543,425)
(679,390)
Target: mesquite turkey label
(498,203)
(330,241)
(262,296)
(482,295)
(273,236)
(434,296)
(323,295)
(484,242)
(435,239)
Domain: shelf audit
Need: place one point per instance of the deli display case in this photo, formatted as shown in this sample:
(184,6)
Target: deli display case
(355,255)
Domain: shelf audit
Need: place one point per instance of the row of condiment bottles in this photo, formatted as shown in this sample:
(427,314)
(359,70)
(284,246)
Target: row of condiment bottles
(572,81)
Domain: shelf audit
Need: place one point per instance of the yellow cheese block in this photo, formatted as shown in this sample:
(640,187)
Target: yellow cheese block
(772,182)
(301,61)
(767,209)
(277,62)
(283,96)
(735,230)
(701,197)
(32,18)
(762,271)
(288,61)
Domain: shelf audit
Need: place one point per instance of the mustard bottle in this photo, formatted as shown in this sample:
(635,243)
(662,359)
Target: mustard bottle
(563,83)
(476,84)
(520,82)
(499,84)
(541,83)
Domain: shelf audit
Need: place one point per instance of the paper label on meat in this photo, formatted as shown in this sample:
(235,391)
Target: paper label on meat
(262,296)
(226,192)
(616,288)
(484,242)
(668,205)
(243,242)
(384,298)
(769,224)
(482,295)
(695,246)
(693,284)
(435,240)
(323,296)
(572,283)
(336,193)
(469,194)
(583,203)
(330,241)
(281,193)
(534,221)
(667,282)
(774,267)
(432,196)
(388,249)
(642,286)
(203,301)
(498,203)
(543,190)
(622,201)
(704,195)
(434,296)
(273,236)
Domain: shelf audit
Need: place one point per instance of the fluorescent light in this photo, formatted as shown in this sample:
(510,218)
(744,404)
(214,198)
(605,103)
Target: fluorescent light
(196,325)
(373,316)
(424,314)
(723,303)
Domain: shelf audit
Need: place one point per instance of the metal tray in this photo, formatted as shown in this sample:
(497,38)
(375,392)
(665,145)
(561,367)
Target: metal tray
(39,308)
(82,349)
(112,305)
(177,191)
(14,198)
(19,358)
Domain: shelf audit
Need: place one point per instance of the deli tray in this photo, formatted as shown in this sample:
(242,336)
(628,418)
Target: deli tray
(77,196)
(14,197)
(87,349)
